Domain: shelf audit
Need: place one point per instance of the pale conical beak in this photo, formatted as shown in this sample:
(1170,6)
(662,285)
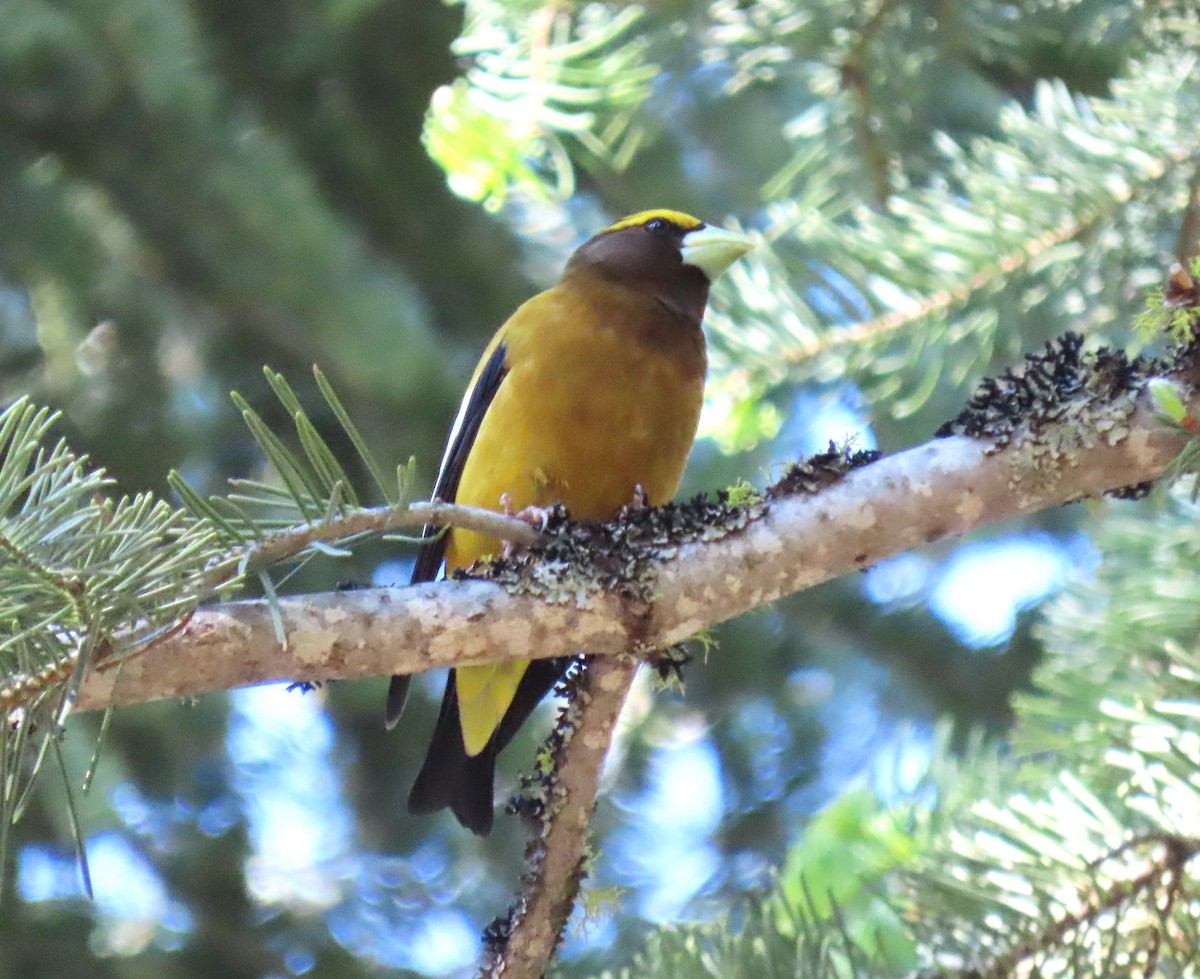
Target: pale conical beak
(713,250)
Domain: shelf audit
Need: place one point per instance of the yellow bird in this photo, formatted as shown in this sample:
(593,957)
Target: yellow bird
(589,390)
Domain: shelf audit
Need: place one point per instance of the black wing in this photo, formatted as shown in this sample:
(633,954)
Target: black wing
(462,438)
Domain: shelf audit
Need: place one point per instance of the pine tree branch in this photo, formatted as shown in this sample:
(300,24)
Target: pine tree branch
(1162,876)
(942,301)
(938,490)
(21,688)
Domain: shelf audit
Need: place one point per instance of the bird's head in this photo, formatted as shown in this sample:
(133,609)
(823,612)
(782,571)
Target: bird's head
(670,255)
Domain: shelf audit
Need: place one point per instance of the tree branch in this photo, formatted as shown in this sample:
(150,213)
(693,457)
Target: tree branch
(938,490)
(521,945)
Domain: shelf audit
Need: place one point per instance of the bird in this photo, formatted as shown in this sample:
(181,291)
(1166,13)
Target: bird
(589,395)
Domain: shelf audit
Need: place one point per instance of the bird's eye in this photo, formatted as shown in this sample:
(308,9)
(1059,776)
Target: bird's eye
(657,226)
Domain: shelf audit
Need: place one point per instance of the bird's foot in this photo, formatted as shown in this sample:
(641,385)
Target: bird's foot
(638,501)
(535,516)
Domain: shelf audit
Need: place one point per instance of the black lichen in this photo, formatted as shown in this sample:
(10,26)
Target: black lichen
(536,798)
(1049,389)
(1059,404)
(573,560)
(495,940)
(1137,491)
(820,471)
(668,664)
(536,802)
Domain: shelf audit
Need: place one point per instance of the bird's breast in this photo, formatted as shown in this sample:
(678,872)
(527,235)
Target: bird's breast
(602,394)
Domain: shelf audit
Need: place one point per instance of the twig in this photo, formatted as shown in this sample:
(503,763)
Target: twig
(987,277)
(521,946)
(943,300)
(372,520)
(855,77)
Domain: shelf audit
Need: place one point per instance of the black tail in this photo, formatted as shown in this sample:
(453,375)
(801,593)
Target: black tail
(450,778)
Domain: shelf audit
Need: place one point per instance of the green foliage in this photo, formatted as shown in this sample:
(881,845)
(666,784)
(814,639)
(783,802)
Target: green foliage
(82,574)
(1101,787)
(1006,229)
(848,847)
(780,940)
(827,917)
(82,569)
(1171,309)
(1134,627)
(538,75)
(1167,401)
(312,486)
(1072,854)
(86,575)
(743,493)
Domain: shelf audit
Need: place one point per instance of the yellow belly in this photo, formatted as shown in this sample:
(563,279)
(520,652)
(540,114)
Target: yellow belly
(584,416)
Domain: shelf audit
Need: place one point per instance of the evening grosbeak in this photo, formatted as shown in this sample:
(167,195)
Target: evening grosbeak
(590,390)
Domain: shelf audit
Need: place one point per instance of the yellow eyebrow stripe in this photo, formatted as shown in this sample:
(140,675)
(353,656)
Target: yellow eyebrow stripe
(685,221)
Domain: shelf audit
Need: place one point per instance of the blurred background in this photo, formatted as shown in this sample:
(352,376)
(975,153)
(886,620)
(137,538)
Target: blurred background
(191,189)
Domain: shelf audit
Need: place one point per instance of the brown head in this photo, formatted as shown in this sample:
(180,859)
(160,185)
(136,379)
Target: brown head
(669,255)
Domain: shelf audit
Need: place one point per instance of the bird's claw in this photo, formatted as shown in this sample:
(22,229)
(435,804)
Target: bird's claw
(535,516)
